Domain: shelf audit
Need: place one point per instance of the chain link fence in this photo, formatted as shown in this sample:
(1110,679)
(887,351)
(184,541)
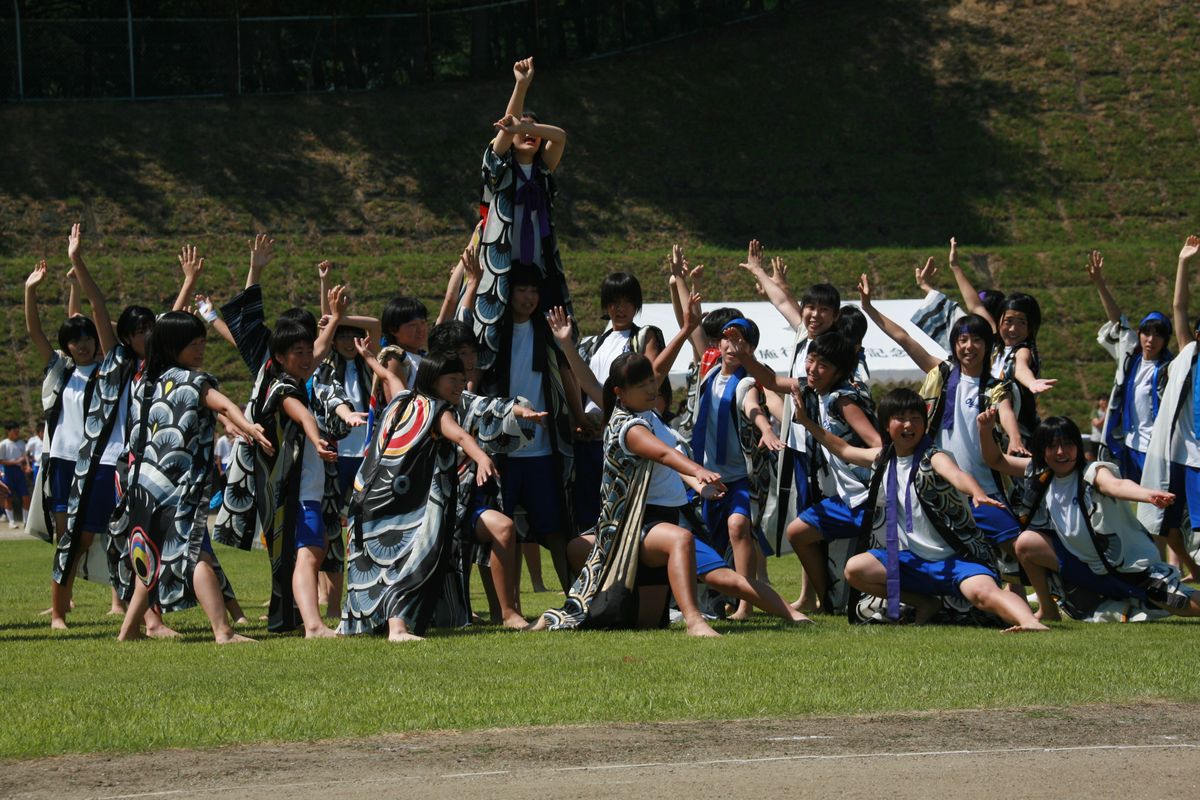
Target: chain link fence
(121,49)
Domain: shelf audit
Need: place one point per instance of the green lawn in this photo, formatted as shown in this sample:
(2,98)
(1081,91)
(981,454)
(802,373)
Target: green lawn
(82,691)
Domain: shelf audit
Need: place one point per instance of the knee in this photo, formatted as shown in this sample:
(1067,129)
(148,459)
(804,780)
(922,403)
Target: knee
(1028,544)
(504,532)
(859,568)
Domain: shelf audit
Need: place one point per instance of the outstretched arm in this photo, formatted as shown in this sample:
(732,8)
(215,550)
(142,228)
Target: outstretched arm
(1001,462)
(1024,373)
(945,465)
(858,421)
(1180,304)
(859,456)
(784,303)
(450,429)
(1011,428)
(970,296)
(104,326)
(641,441)
(33,321)
(1095,271)
(1124,489)
(752,408)
(925,361)
(236,420)
(765,376)
(323,269)
(295,409)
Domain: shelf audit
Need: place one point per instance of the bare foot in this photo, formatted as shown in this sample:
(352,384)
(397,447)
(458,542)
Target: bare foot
(405,637)
(323,632)
(1048,614)
(701,628)
(927,608)
(799,619)
(132,636)
(115,611)
(234,638)
(242,620)
(803,607)
(161,632)
(47,612)
(58,624)
(1036,627)
(516,622)
(262,618)
(540,625)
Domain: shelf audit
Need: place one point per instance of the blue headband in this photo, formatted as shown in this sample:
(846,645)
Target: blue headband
(1158,316)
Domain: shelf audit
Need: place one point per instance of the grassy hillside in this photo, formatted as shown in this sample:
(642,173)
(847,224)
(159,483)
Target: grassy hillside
(849,136)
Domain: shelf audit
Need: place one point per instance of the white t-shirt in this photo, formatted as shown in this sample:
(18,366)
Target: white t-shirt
(734,466)
(1143,408)
(68,435)
(519,219)
(223,449)
(666,487)
(924,541)
(33,448)
(1186,450)
(312,474)
(523,381)
(963,441)
(1067,518)
(354,442)
(797,433)
(12,450)
(116,440)
(998,361)
(613,345)
(840,480)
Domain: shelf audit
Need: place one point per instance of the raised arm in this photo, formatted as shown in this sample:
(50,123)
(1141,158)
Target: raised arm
(262,250)
(1179,307)
(191,265)
(100,316)
(554,137)
(208,313)
(859,456)
(1001,462)
(74,305)
(765,376)
(970,296)
(323,269)
(684,283)
(522,77)
(337,310)
(33,321)
(393,384)
(1124,489)
(589,382)
(784,303)
(925,275)
(925,360)
(1095,271)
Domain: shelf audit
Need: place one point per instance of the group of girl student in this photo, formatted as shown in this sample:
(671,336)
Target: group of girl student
(644,508)
(91,398)
(167,501)
(931,546)
(956,391)
(1093,538)
(409,511)
(845,408)
(289,494)
(1143,392)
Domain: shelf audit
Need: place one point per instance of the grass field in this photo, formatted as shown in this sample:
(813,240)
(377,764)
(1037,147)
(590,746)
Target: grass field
(83,691)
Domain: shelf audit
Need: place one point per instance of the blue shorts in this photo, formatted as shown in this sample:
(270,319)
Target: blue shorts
(62,473)
(1191,487)
(707,559)
(347,469)
(14,479)
(999,525)
(834,519)
(310,525)
(935,578)
(589,473)
(102,501)
(716,513)
(532,484)
(1076,572)
(800,476)
(1133,463)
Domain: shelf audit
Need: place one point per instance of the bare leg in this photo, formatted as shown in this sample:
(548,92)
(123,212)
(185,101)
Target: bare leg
(1015,588)
(208,592)
(138,608)
(116,605)
(155,628)
(754,591)
(60,593)
(983,593)
(745,561)
(398,632)
(672,546)
(533,562)
(333,597)
(806,542)
(866,573)
(1037,557)
(323,589)
(1187,564)
(304,590)
(499,530)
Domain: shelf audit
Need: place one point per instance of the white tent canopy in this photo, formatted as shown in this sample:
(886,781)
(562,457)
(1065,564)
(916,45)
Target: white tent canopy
(887,362)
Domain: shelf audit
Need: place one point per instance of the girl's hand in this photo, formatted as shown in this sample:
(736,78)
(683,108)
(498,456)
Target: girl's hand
(779,272)
(706,477)
(864,290)
(338,302)
(523,71)
(1190,248)
(753,261)
(799,412)
(771,442)
(953,253)
(1017,448)
(363,346)
(987,420)
(560,326)
(72,278)
(1160,499)
(326,452)
(1042,385)
(691,312)
(694,275)
(737,343)
(37,276)
(255,433)
(471,265)
(528,414)
(925,275)
(355,419)
(75,242)
(191,264)
(978,500)
(485,471)
(262,250)
(508,124)
(323,269)
(711,491)
(205,307)
(676,262)
(1095,266)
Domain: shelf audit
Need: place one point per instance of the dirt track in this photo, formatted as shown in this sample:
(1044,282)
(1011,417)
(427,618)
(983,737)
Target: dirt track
(1147,751)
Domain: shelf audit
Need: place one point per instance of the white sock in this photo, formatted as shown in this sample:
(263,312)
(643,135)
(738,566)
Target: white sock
(8,514)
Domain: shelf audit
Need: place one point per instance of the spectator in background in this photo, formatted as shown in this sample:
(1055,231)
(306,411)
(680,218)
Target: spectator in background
(33,453)
(12,457)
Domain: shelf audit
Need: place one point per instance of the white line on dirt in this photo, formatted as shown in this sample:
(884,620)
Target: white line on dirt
(659,764)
